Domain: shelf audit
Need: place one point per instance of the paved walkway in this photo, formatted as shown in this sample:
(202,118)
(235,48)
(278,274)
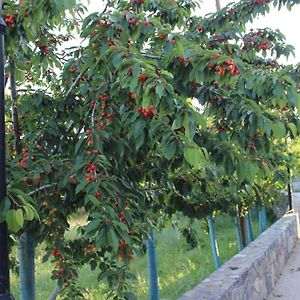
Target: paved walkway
(288,285)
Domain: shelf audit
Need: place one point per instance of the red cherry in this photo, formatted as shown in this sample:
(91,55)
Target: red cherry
(251,146)
(147,24)
(101,23)
(109,116)
(55,253)
(92,104)
(200,28)
(73,69)
(132,96)
(122,244)
(181,60)
(142,78)
(131,21)
(101,126)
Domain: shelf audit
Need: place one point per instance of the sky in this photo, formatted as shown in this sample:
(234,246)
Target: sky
(286,21)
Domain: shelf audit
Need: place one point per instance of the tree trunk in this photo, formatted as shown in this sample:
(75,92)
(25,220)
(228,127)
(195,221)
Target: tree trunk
(14,107)
(243,230)
(26,241)
(218,4)
(239,233)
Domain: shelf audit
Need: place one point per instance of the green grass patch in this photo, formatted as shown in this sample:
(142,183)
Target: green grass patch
(180,268)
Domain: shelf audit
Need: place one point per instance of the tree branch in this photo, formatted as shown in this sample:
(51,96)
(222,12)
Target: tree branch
(14,107)
(42,188)
(152,56)
(74,84)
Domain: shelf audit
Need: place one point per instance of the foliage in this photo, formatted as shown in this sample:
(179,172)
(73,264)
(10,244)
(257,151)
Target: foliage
(115,132)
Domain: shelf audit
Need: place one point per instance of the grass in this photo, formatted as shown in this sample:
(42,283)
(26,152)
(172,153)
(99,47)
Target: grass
(180,268)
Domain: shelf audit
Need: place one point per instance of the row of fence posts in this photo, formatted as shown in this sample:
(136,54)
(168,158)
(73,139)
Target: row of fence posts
(244,234)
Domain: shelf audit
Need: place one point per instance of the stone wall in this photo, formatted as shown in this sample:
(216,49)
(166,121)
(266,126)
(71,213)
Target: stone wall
(251,274)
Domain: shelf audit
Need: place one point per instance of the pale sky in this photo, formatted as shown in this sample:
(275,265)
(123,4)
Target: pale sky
(286,21)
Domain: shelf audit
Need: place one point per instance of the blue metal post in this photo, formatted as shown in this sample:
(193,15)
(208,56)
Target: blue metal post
(213,242)
(27,266)
(262,220)
(152,267)
(250,237)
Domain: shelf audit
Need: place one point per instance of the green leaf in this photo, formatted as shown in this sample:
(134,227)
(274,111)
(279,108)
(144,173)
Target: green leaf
(252,170)
(278,129)
(136,34)
(20,217)
(136,70)
(194,155)
(292,96)
(246,170)
(113,238)
(69,4)
(170,150)
(11,221)
(241,170)
(154,128)
(228,165)
(293,129)
(59,3)
(139,141)
(177,123)
(93,200)
(139,127)
(29,213)
(81,186)
(159,89)
(78,144)
(278,90)
(92,226)
(117,60)
(189,125)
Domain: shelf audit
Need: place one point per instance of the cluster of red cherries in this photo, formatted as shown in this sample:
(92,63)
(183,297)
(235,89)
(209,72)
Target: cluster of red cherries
(147,112)
(254,40)
(228,67)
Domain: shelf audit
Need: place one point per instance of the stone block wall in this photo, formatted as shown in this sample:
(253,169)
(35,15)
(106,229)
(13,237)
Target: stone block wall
(251,274)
